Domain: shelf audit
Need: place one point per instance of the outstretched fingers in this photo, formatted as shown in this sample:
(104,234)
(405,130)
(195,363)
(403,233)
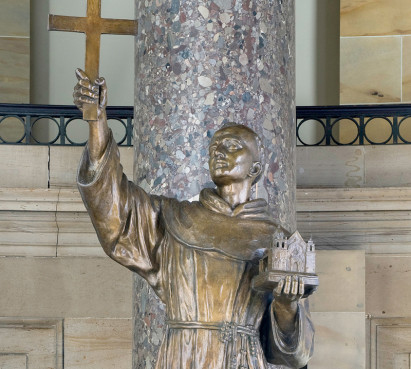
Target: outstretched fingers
(294,286)
(290,288)
(279,289)
(301,288)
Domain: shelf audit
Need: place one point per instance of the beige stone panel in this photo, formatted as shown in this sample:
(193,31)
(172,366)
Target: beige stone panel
(70,201)
(368,230)
(339,341)
(64,162)
(14,70)
(406,80)
(388,288)
(330,166)
(28,234)
(15,18)
(30,344)
(389,166)
(13,361)
(66,287)
(342,281)
(370,70)
(375,17)
(77,236)
(27,199)
(353,199)
(97,343)
(390,343)
(23,166)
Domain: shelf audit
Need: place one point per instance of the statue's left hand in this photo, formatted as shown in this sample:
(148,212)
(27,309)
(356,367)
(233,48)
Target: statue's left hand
(288,292)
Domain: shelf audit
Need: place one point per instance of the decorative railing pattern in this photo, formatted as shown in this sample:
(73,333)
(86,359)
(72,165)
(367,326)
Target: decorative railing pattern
(316,125)
(354,125)
(24,121)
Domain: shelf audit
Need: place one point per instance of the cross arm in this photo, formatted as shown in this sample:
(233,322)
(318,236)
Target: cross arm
(119,26)
(68,24)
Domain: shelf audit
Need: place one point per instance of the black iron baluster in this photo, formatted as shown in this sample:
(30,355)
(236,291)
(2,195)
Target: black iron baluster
(62,129)
(361,132)
(395,129)
(129,131)
(328,131)
(27,129)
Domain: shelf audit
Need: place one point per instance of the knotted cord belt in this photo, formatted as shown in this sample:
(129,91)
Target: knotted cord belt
(228,333)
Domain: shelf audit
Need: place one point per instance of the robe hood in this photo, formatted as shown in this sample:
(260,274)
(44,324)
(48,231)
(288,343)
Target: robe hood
(242,233)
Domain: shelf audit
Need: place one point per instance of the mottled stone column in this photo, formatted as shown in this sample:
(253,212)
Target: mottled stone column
(200,64)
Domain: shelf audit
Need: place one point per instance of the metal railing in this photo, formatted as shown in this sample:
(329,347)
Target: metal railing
(354,125)
(26,119)
(316,125)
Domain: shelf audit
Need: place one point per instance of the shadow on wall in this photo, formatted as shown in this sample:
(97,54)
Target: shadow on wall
(328,52)
(39,61)
(318,59)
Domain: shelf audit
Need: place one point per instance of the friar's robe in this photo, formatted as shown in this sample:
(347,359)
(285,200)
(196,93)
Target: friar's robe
(199,258)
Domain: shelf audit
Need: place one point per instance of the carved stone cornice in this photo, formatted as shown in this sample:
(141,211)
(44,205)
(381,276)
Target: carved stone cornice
(377,220)
(54,222)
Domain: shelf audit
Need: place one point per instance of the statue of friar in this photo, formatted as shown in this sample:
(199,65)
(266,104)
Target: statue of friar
(199,257)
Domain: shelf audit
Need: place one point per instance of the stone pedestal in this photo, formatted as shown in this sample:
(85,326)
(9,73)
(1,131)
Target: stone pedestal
(200,64)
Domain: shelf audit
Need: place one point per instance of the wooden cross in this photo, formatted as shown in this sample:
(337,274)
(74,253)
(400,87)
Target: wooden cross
(93,26)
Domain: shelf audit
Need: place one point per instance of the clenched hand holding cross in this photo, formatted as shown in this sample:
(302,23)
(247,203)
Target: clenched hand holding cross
(93,26)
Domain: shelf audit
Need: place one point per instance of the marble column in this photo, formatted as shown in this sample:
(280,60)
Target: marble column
(200,64)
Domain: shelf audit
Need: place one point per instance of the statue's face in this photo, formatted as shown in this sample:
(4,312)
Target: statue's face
(233,152)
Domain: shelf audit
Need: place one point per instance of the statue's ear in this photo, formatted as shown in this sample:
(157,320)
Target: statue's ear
(256,169)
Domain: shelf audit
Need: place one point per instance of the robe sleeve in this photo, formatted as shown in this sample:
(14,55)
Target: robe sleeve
(292,351)
(125,217)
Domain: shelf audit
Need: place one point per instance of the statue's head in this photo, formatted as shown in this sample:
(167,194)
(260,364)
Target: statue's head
(236,155)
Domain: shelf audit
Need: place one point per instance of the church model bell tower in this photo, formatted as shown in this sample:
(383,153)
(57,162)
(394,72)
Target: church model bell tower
(292,256)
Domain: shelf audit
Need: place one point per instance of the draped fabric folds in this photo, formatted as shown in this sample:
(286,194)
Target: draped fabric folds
(199,258)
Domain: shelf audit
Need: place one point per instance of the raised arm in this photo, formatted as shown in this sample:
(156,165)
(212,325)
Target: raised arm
(125,217)
(86,92)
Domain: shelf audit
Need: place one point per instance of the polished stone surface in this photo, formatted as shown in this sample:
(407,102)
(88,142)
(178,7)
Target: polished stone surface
(390,343)
(375,17)
(31,343)
(14,70)
(339,341)
(406,75)
(24,166)
(388,289)
(199,65)
(370,70)
(65,287)
(97,343)
(332,267)
(15,18)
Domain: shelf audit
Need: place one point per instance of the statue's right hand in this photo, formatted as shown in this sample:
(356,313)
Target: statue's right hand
(86,92)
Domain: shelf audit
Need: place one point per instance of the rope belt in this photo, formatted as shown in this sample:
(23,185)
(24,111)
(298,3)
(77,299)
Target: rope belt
(228,333)
(228,330)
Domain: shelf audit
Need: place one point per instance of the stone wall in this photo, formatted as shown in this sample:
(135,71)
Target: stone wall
(60,284)
(375,60)
(375,51)
(14,61)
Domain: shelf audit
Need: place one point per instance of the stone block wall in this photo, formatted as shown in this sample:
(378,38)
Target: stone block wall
(61,294)
(14,61)
(375,51)
(375,61)
(63,302)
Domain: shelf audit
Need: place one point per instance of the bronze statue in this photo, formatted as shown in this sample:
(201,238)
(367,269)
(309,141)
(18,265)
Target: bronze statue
(199,257)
